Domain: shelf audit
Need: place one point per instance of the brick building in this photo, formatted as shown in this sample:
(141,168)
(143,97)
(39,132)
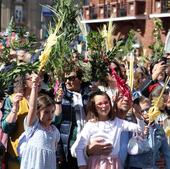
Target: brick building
(28,13)
(129,14)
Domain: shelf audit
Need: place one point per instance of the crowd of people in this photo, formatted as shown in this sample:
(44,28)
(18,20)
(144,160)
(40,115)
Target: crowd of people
(86,125)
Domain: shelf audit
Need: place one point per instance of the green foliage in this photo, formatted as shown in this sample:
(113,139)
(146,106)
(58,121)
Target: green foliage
(157,46)
(127,45)
(4,56)
(11,27)
(99,58)
(130,41)
(99,65)
(15,38)
(16,70)
(60,57)
(95,41)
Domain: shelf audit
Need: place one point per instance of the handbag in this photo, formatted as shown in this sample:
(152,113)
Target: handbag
(138,145)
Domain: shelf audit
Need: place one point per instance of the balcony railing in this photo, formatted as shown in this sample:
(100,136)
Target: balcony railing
(114,9)
(165,6)
(122,11)
(104,11)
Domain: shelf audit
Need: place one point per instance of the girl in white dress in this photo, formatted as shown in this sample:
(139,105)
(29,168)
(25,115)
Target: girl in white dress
(40,151)
(102,123)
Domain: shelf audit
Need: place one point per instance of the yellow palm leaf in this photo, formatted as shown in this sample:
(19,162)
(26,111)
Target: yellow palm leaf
(111,28)
(107,34)
(167,131)
(51,41)
(157,102)
(153,113)
(131,70)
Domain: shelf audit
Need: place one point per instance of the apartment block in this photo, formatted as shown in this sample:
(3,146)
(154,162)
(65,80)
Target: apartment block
(28,13)
(128,14)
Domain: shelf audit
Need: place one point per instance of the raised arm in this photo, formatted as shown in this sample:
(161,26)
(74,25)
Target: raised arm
(32,113)
(9,110)
(58,100)
(12,116)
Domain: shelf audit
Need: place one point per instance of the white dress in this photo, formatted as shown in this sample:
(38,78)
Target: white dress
(40,152)
(110,131)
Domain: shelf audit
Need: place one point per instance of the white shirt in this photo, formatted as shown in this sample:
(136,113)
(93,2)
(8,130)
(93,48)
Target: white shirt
(109,130)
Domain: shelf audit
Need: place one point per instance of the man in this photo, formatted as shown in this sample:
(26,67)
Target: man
(72,118)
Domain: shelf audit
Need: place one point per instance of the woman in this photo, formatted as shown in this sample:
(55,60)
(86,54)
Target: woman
(14,109)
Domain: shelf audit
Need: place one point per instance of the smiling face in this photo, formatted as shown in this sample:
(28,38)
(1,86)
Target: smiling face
(73,83)
(99,107)
(123,104)
(145,104)
(103,107)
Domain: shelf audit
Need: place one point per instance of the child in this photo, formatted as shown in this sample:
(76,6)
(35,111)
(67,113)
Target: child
(40,152)
(102,124)
(157,140)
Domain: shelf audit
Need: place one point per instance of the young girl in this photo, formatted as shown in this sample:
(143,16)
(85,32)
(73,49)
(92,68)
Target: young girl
(42,137)
(102,124)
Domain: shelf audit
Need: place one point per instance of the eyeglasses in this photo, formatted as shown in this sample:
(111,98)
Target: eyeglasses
(71,78)
(145,111)
(100,104)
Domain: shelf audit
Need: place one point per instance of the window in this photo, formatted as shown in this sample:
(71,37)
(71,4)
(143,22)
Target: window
(18,14)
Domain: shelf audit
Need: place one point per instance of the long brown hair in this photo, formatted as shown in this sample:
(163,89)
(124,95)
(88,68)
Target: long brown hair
(92,113)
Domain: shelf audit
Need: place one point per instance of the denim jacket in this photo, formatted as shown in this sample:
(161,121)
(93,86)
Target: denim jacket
(158,143)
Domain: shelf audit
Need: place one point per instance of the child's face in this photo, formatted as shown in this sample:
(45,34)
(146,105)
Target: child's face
(144,110)
(145,115)
(46,115)
(102,106)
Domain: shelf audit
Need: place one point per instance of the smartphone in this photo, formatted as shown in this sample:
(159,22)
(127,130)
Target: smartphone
(164,59)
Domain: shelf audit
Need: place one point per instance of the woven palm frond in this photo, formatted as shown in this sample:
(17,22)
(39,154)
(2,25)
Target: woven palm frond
(167,131)
(154,111)
(82,26)
(51,41)
(157,102)
(111,29)
(107,34)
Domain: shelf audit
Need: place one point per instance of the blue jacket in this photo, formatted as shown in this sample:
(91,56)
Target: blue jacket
(158,143)
(67,122)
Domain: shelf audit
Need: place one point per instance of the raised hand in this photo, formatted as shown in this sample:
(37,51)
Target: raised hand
(59,94)
(15,101)
(157,69)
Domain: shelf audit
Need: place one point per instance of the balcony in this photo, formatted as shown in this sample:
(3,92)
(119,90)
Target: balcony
(160,8)
(165,6)
(119,11)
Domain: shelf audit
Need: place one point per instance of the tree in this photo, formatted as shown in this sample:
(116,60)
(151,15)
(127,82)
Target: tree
(157,46)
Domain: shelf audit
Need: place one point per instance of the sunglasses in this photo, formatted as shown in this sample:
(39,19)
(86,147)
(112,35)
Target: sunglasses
(70,78)
(145,111)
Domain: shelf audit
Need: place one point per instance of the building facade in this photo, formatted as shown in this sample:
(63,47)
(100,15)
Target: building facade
(28,13)
(129,14)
